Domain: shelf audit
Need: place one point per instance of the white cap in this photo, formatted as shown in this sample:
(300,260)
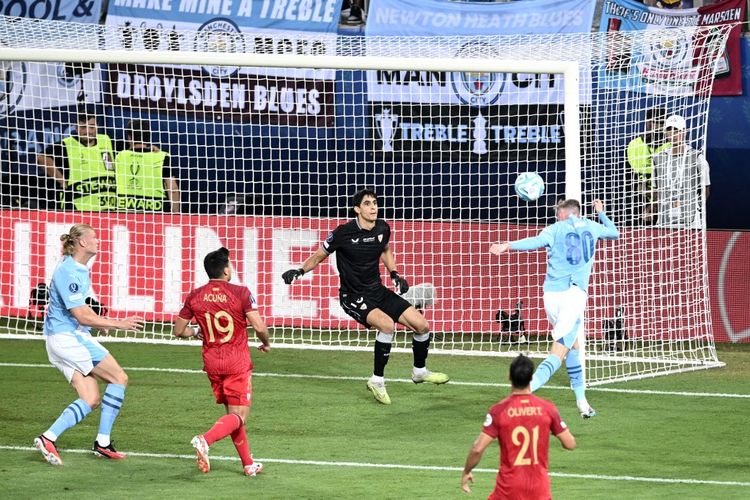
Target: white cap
(674,121)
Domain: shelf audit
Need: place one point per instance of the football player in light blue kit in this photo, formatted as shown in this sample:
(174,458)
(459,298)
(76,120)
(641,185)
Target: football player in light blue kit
(570,244)
(73,350)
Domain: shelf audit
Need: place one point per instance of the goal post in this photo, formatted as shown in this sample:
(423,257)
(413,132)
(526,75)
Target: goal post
(267,148)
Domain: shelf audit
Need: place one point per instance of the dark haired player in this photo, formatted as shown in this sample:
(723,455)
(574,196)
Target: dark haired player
(522,423)
(223,311)
(360,245)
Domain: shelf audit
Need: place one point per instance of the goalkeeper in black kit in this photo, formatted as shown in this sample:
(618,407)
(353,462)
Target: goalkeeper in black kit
(361,244)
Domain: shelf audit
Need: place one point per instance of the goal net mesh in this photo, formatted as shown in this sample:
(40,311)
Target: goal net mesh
(170,146)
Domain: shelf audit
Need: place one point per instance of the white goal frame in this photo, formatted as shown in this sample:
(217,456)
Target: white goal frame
(569,69)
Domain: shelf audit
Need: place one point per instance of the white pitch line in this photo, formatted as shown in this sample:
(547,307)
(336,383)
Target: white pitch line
(400,466)
(409,381)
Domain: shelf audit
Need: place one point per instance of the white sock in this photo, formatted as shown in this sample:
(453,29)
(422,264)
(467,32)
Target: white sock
(377,380)
(419,371)
(102,439)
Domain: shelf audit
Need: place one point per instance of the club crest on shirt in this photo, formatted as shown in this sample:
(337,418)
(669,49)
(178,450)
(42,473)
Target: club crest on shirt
(380,238)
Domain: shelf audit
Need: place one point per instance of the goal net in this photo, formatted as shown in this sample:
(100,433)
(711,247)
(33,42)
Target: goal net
(172,143)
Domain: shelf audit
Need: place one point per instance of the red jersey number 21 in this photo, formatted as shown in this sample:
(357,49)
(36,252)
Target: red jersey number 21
(221,323)
(525,439)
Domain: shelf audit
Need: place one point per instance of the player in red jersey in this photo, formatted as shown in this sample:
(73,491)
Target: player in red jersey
(223,311)
(522,423)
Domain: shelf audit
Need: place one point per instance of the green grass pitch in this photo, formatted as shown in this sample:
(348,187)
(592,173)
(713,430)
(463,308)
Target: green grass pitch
(321,435)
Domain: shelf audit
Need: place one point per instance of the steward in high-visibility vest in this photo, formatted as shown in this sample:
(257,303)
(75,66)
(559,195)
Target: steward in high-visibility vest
(83,166)
(144,182)
(640,153)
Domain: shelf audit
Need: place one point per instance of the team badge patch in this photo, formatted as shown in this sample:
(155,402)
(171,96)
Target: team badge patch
(73,287)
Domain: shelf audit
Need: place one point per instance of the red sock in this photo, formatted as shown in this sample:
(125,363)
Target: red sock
(222,428)
(239,438)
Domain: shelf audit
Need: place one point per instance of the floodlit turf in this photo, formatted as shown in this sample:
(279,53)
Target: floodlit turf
(321,435)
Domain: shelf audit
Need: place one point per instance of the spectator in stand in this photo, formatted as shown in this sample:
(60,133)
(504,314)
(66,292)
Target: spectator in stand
(640,153)
(144,180)
(681,179)
(82,167)
(353,12)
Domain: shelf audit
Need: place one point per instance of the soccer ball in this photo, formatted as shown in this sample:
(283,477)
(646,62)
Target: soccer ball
(529,186)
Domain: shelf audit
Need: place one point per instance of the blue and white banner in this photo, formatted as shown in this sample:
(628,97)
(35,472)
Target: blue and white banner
(444,114)
(280,15)
(442,17)
(245,94)
(33,85)
(79,11)
(674,65)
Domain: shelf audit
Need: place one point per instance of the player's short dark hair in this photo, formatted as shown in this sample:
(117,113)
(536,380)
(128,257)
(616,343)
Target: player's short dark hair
(85,114)
(360,195)
(215,263)
(569,204)
(656,113)
(139,131)
(521,371)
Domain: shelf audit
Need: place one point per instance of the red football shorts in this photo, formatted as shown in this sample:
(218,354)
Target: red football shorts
(232,389)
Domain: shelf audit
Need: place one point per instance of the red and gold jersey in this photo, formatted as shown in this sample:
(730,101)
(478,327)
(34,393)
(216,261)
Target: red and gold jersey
(220,309)
(522,424)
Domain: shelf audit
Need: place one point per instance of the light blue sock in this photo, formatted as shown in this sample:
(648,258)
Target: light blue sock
(575,372)
(111,403)
(73,414)
(544,371)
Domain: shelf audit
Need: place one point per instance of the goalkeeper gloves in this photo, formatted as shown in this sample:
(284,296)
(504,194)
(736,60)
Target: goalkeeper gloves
(399,283)
(292,274)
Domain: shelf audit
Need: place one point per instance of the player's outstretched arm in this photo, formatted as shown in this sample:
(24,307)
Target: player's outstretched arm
(610,232)
(499,248)
(389,261)
(182,330)
(311,263)
(567,440)
(472,460)
(87,317)
(261,330)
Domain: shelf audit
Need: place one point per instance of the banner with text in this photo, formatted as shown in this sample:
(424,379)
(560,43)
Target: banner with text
(148,263)
(443,114)
(246,94)
(440,17)
(79,11)
(668,66)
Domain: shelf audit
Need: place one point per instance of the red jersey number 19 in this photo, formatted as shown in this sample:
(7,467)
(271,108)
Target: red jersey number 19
(222,323)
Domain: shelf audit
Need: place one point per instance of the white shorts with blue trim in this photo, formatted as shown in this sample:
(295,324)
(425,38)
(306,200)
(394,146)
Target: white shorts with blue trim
(565,311)
(75,351)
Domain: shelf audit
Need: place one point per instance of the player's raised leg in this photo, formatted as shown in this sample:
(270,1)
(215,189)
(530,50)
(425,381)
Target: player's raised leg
(420,346)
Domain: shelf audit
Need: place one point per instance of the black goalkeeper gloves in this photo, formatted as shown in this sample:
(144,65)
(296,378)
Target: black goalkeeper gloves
(399,283)
(292,274)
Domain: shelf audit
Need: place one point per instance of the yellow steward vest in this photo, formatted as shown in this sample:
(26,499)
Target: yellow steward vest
(140,182)
(90,173)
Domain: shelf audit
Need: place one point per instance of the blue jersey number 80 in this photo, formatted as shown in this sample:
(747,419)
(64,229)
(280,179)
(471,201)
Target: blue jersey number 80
(577,249)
